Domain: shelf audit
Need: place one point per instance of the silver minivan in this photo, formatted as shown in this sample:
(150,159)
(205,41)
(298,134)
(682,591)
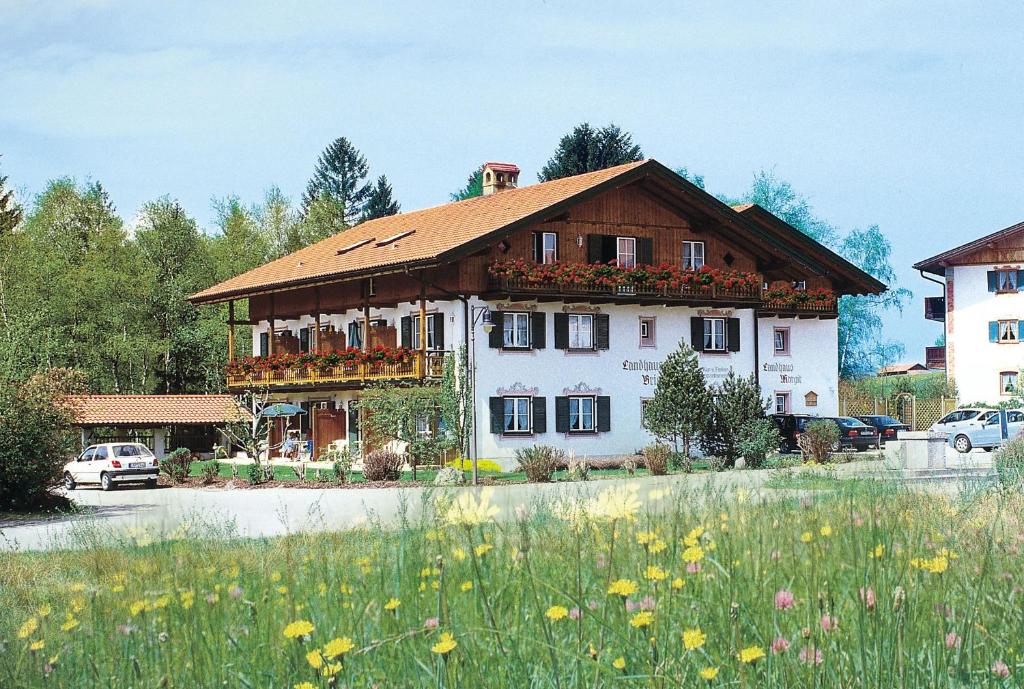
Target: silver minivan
(963,419)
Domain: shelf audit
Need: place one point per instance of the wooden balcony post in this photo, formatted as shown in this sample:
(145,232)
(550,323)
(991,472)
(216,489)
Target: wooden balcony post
(314,337)
(423,330)
(366,325)
(231,330)
(270,335)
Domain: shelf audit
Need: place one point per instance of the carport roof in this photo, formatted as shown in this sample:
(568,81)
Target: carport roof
(155,410)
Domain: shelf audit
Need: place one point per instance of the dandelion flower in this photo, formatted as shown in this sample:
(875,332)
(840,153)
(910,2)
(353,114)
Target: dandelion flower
(483,549)
(445,644)
(37,645)
(557,612)
(655,573)
(693,537)
(298,629)
(693,639)
(392,604)
(693,554)
(304,685)
(751,654)
(806,537)
(44,610)
(330,669)
(709,673)
(337,647)
(69,623)
(678,583)
(642,619)
(28,628)
(622,587)
(466,586)
(825,531)
(619,663)
(315,659)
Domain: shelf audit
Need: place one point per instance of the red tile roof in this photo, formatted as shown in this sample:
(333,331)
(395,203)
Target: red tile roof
(502,167)
(154,410)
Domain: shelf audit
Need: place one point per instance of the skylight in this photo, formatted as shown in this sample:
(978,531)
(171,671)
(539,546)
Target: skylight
(395,238)
(355,245)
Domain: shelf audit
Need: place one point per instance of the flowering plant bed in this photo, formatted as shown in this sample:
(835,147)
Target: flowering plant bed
(350,357)
(660,277)
(788,298)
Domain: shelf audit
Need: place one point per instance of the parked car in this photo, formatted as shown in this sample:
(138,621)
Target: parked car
(790,428)
(960,419)
(887,426)
(856,434)
(985,431)
(110,464)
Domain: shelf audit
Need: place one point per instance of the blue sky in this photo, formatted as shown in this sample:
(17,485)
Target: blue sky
(905,114)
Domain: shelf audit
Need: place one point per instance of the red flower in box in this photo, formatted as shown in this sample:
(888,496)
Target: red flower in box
(319,361)
(611,274)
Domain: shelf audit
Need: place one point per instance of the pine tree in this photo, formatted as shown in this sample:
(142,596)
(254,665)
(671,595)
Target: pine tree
(10,211)
(379,203)
(340,173)
(681,406)
(586,149)
(737,402)
(474,186)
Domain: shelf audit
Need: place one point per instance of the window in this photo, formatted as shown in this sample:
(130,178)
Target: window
(416,332)
(101,453)
(264,343)
(88,455)
(625,254)
(517,415)
(782,340)
(371,287)
(714,334)
(647,331)
(1008,331)
(516,331)
(581,331)
(355,334)
(644,401)
(693,255)
(581,415)
(800,285)
(304,340)
(781,402)
(1007,382)
(1006,280)
(423,429)
(545,247)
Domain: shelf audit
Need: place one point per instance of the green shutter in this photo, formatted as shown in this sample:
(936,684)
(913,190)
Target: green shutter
(732,334)
(697,333)
(604,414)
(561,331)
(407,331)
(497,414)
(993,331)
(540,415)
(494,338)
(601,329)
(561,414)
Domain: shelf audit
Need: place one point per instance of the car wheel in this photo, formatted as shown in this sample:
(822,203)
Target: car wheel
(106,483)
(962,444)
(69,482)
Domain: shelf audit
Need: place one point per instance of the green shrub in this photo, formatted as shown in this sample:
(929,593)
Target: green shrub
(382,465)
(539,462)
(1009,463)
(176,464)
(579,469)
(756,439)
(656,458)
(209,472)
(818,440)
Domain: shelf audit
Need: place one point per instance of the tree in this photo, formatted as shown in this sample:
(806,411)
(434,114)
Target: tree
(340,173)
(10,211)
(400,414)
(474,186)
(681,406)
(692,178)
(737,401)
(379,203)
(586,149)
(454,400)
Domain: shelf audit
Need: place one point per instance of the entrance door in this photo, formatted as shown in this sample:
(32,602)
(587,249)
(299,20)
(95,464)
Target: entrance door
(328,426)
(353,426)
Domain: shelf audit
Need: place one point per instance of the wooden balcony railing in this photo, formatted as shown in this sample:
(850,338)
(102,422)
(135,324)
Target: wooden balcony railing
(418,367)
(684,293)
(811,307)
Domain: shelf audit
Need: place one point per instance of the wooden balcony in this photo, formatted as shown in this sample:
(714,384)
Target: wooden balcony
(812,309)
(419,367)
(525,288)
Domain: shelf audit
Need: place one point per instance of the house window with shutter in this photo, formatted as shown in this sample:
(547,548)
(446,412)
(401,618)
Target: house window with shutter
(781,341)
(1008,331)
(516,415)
(714,334)
(647,339)
(431,344)
(304,340)
(782,402)
(1008,383)
(693,255)
(582,417)
(545,247)
(581,331)
(264,344)
(516,331)
(625,254)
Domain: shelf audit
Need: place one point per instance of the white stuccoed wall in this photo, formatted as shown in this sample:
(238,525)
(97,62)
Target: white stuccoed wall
(976,362)
(811,366)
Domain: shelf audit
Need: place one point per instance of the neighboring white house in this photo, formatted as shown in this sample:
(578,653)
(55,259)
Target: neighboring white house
(982,309)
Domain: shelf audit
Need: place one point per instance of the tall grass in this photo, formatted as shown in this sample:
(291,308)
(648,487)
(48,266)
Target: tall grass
(871,586)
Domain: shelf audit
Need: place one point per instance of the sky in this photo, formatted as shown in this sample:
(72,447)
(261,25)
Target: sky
(908,115)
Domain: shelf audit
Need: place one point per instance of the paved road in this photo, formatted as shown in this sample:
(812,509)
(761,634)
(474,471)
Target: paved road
(138,512)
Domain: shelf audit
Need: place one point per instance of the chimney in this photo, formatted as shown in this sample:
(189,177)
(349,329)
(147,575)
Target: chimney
(499,177)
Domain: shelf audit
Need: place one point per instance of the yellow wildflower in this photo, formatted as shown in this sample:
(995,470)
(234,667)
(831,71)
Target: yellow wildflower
(187,599)
(751,654)
(806,537)
(622,587)
(466,586)
(138,607)
(645,537)
(644,618)
(619,663)
(557,612)
(483,549)
(392,604)
(298,628)
(693,537)
(693,554)
(28,628)
(315,659)
(445,644)
(36,645)
(825,531)
(693,639)
(69,623)
(677,583)
(77,588)
(657,546)
(44,610)
(469,510)
(655,573)
(459,554)
(282,590)
(620,502)
(709,673)
(330,669)
(878,551)
(275,577)
(338,647)
(304,685)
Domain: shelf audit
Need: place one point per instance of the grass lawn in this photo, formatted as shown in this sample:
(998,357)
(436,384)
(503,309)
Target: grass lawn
(867,585)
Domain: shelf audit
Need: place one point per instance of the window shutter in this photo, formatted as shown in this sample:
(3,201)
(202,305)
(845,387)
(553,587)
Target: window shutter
(992,281)
(494,338)
(540,415)
(561,331)
(538,247)
(993,331)
(497,414)
(732,334)
(407,331)
(264,343)
(1020,276)
(1020,330)
(609,248)
(439,331)
(644,251)
(303,339)
(561,414)
(595,244)
(604,414)
(601,331)
(697,333)
(538,327)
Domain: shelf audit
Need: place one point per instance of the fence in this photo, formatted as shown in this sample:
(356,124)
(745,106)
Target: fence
(917,412)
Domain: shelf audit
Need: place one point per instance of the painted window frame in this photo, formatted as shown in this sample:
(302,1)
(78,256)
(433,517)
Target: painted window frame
(692,263)
(619,252)
(415,335)
(1010,280)
(786,333)
(710,335)
(650,341)
(1011,327)
(515,316)
(544,250)
(581,427)
(516,415)
(579,319)
(787,401)
(1004,378)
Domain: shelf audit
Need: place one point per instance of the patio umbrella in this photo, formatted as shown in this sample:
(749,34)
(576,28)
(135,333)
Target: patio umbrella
(283,409)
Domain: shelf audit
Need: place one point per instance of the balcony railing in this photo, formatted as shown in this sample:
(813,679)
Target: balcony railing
(688,292)
(824,307)
(419,366)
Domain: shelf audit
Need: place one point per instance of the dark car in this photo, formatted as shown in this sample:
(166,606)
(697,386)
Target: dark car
(887,426)
(790,428)
(855,433)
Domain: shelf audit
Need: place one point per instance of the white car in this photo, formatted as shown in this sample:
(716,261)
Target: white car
(962,419)
(109,464)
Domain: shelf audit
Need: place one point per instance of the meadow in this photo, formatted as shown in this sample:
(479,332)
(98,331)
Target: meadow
(866,585)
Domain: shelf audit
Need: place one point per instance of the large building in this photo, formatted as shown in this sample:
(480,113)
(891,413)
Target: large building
(567,295)
(982,310)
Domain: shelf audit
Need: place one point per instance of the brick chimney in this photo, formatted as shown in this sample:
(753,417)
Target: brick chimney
(499,177)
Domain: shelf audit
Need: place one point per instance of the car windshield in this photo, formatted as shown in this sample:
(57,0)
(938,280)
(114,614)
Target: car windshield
(132,450)
(887,420)
(850,421)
